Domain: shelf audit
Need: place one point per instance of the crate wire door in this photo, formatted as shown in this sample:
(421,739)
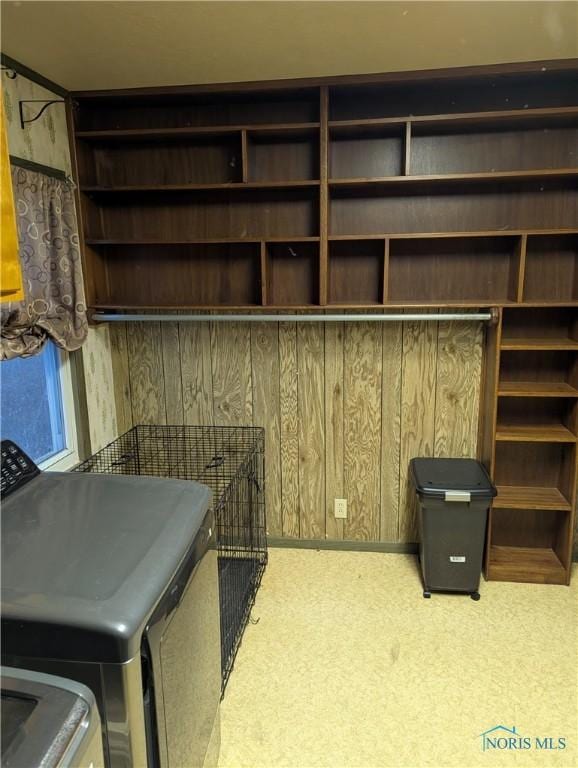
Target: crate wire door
(230,461)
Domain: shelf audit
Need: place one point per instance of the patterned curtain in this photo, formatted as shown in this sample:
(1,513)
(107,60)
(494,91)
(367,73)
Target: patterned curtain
(54,305)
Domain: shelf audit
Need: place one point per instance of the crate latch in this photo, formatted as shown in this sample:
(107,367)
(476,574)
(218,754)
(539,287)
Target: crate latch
(463,496)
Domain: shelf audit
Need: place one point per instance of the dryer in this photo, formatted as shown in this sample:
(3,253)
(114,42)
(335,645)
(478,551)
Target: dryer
(112,581)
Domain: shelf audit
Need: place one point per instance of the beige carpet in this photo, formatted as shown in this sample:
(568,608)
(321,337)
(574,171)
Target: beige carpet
(348,665)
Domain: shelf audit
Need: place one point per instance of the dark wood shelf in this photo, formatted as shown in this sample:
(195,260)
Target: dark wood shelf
(536,389)
(447,303)
(217,308)
(558,174)
(192,132)
(442,306)
(531,497)
(533,564)
(390,305)
(538,343)
(329,307)
(229,187)
(534,433)
(546,304)
(443,235)
(201,241)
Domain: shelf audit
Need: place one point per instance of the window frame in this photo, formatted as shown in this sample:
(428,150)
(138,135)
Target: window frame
(69,456)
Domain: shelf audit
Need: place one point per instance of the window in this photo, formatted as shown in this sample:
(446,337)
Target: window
(38,408)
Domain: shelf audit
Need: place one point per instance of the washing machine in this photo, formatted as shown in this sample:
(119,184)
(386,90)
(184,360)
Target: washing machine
(48,721)
(112,581)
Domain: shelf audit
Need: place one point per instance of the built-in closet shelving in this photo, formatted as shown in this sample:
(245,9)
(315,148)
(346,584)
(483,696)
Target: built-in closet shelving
(455,190)
(530,443)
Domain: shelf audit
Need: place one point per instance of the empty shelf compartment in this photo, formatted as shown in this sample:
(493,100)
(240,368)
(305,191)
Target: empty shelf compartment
(453,269)
(540,329)
(540,474)
(529,545)
(551,273)
(536,419)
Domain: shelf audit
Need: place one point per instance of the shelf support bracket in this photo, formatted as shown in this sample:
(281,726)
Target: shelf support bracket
(46,103)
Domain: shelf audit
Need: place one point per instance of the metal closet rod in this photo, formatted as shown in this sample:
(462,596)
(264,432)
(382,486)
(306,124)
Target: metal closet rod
(102,317)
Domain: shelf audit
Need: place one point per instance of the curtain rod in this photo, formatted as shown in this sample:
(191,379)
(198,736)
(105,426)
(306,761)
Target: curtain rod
(47,170)
(102,317)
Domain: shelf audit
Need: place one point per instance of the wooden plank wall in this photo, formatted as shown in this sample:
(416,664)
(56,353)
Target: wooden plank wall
(345,406)
(99,379)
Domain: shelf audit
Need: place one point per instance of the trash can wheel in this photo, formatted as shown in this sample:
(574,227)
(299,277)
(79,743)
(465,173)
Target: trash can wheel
(475,596)
(426,593)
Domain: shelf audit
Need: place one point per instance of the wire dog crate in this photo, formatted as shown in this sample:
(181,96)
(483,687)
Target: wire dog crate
(230,461)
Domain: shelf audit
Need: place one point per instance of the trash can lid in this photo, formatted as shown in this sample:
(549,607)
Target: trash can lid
(434,477)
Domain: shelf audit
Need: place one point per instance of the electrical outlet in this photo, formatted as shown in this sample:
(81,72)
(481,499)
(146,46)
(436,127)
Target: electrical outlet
(341,509)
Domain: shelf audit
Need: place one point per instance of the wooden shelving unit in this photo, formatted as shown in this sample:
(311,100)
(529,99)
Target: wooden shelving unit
(487,197)
(531,444)
(359,194)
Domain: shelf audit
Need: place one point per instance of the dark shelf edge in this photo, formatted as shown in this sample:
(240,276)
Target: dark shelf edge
(205,241)
(124,135)
(465,234)
(544,174)
(233,186)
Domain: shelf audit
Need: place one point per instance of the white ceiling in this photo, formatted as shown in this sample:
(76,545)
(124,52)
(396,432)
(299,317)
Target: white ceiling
(86,45)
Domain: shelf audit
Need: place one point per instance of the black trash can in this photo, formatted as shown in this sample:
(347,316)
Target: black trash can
(454,497)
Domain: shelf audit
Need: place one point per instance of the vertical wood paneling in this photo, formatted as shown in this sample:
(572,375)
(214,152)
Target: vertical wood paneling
(231,368)
(345,407)
(289,403)
(459,367)
(147,384)
(97,374)
(121,376)
(390,430)
(418,396)
(196,374)
(172,373)
(311,429)
(266,413)
(334,487)
(362,429)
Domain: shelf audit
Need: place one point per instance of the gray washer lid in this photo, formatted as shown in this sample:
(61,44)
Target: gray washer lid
(86,557)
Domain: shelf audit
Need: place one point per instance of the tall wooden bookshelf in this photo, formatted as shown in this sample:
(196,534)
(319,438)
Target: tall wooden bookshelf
(446,189)
(529,442)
